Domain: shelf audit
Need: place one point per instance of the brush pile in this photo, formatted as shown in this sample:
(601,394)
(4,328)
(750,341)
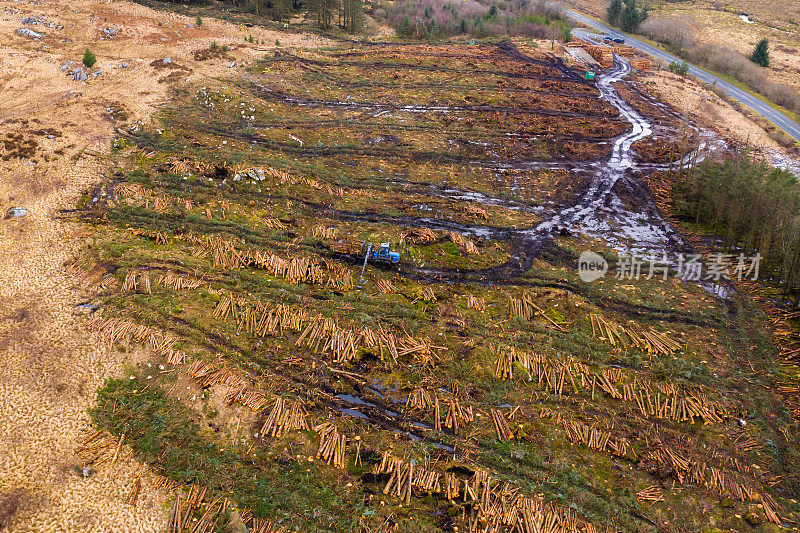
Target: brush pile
(466,244)
(419,236)
(99,447)
(284,178)
(474,210)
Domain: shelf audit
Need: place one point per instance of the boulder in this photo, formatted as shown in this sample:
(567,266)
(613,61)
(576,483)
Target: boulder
(25,32)
(16,212)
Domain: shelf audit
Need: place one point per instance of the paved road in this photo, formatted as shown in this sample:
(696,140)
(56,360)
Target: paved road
(788,125)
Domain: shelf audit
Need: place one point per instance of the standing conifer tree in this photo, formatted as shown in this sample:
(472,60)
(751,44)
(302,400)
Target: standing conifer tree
(629,20)
(614,11)
(761,53)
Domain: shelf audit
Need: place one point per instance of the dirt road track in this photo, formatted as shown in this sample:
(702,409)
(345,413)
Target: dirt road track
(49,368)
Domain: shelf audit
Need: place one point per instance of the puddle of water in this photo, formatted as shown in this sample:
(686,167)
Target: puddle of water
(353,412)
(349,398)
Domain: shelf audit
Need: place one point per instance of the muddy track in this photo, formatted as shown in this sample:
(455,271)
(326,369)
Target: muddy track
(266,93)
(384,65)
(569,73)
(376,127)
(600,212)
(450,84)
(615,207)
(374,409)
(405,153)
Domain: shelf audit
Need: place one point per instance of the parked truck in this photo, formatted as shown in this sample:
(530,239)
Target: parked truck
(366,250)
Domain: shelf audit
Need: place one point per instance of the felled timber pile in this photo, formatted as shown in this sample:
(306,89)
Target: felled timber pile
(526,308)
(787,339)
(227,254)
(563,376)
(577,43)
(476,303)
(787,336)
(426,294)
(325,233)
(422,399)
(687,470)
(495,505)
(602,54)
(207,375)
(94,274)
(385,286)
(112,330)
(404,475)
(641,63)
(596,438)
(282,419)
(140,281)
(133,194)
(189,516)
(624,51)
(317,332)
(650,494)
(501,426)
(649,340)
(331,444)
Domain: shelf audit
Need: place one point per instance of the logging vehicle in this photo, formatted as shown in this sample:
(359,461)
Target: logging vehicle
(374,254)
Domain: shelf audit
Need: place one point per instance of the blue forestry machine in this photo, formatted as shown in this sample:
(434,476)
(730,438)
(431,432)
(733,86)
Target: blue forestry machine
(381,254)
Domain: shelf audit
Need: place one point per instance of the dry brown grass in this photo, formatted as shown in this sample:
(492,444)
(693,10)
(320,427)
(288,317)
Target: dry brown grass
(60,130)
(9,503)
(707,108)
